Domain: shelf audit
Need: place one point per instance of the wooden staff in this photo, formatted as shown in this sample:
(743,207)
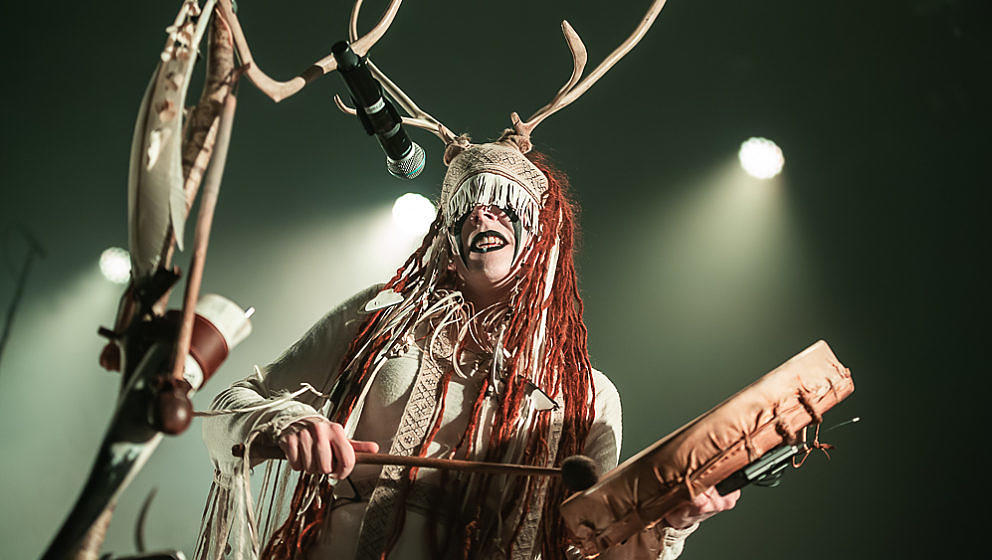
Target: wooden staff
(208,202)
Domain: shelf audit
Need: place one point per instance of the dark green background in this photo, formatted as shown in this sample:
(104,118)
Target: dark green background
(696,279)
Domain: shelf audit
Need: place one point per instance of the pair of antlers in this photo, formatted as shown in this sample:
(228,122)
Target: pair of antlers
(419,118)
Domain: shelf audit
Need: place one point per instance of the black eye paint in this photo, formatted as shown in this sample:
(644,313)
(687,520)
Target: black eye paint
(456,228)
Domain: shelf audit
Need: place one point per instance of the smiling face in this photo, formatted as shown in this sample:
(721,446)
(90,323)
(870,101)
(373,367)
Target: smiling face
(488,245)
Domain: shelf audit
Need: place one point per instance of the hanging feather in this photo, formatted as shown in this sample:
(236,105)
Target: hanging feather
(156,199)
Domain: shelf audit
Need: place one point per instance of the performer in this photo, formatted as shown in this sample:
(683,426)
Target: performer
(452,358)
(475,349)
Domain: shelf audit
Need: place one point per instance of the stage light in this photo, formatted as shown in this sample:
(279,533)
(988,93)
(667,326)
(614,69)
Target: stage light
(115,264)
(413,213)
(761,158)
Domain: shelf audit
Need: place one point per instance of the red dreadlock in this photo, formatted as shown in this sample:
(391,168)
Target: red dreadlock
(563,371)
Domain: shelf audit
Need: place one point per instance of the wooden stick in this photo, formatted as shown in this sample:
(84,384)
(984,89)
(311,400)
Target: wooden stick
(204,120)
(204,221)
(262,451)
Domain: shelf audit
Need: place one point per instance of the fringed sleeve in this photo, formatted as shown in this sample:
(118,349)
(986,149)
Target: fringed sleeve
(262,406)
(603,446)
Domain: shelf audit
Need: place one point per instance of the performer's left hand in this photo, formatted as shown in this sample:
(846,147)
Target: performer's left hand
(705,505)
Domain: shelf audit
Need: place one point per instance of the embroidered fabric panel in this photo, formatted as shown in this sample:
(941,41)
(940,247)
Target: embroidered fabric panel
(381,514)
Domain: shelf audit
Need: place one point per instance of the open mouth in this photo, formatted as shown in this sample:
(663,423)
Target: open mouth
(487,241)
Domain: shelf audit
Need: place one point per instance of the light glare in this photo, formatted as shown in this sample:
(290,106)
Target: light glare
(115,264)
(413,213)
(761,158)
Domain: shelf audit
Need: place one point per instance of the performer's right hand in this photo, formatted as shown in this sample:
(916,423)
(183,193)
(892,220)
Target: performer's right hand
(319,446)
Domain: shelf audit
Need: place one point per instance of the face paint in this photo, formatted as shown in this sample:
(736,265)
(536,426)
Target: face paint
(488,245)
(490,240)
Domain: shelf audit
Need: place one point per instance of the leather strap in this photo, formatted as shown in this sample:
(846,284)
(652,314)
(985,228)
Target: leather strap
(381,514)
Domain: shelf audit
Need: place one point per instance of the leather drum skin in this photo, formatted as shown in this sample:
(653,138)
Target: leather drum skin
(770,411)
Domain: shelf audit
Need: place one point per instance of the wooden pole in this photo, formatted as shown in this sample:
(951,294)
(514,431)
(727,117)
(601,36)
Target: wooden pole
(204,221)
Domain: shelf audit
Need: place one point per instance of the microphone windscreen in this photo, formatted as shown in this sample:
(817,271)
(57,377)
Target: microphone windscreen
(579,472)
(408,167)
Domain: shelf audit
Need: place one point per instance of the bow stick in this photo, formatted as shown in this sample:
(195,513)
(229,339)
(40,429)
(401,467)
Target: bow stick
(170,154)
(143,345)
(149,391)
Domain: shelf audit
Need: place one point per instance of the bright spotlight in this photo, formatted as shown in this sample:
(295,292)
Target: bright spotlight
(761,158)
(413,213)
(115,264)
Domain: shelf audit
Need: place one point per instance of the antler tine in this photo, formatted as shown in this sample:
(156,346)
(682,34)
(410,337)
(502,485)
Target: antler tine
(353,21)
(437,128)
(418,117)
(411,108)
(579,59)
(572,91)
(579,56)
(281,90)
(343,107)
(362,46)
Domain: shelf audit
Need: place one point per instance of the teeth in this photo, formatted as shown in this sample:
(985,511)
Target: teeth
(489,241)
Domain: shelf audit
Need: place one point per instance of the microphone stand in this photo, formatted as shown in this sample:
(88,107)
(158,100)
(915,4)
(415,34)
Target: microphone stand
(34,250)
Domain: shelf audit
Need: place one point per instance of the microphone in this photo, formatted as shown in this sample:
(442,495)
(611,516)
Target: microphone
(404,159)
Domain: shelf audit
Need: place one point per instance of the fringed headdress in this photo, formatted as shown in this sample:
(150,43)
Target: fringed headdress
(536,339)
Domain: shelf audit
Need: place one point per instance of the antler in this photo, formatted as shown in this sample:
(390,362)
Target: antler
(418,117)
(281,90)
(573,88)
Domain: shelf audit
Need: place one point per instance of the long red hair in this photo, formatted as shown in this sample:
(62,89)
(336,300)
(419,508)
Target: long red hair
(560,366)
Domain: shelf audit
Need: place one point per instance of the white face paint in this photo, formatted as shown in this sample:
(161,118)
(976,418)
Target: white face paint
(488,246)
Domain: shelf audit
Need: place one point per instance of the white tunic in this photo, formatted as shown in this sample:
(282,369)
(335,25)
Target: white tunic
(315,359)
